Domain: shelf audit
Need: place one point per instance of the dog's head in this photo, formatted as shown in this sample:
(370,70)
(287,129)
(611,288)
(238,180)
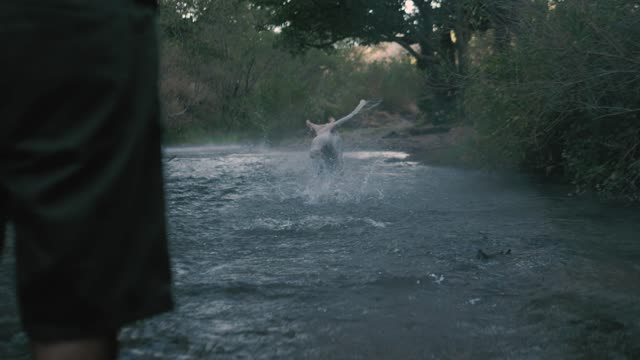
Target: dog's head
(314,127)
(322,128)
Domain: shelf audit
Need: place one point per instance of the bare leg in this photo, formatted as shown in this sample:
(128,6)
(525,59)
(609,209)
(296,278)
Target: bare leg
(105,348)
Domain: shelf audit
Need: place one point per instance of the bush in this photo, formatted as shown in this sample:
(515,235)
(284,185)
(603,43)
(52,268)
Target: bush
(564,98)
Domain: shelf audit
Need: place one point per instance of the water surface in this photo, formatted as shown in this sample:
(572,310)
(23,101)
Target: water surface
(379,262)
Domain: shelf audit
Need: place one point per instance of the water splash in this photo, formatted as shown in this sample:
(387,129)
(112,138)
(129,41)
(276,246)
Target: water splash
(309,222)
(355,183)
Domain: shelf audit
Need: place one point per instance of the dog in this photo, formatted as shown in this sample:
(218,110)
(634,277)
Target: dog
(326,147)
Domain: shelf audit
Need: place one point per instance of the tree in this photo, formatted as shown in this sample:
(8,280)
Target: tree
(435,32)
(218,60)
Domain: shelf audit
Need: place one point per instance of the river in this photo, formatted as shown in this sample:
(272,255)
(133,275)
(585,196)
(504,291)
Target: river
(380,262)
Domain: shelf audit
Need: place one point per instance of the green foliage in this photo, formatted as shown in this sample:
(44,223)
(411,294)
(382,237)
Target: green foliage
(320,24)
(221,75)
(323,24)
(552,87)
(564,98)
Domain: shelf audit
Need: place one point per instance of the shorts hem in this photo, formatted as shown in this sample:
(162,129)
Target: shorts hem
(53,333)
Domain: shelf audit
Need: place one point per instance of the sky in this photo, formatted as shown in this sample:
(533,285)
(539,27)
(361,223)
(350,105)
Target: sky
(409,7)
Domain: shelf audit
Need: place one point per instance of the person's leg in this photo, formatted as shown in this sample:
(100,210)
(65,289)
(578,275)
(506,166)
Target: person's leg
(99,348)
(3,217)
(81,131)
(95,348)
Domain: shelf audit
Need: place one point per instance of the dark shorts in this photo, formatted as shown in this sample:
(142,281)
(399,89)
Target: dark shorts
(80,164)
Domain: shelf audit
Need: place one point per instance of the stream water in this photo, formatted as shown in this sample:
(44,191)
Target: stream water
(379,262)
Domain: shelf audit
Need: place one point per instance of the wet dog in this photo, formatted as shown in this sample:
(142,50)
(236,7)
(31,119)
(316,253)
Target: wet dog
(326,147)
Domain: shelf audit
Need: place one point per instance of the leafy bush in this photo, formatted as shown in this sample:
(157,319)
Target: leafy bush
(564,98)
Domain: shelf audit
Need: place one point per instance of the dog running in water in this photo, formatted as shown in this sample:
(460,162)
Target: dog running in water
(326,147)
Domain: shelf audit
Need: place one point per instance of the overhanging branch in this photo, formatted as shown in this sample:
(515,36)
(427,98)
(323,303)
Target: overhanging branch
(408,48)
(405,45)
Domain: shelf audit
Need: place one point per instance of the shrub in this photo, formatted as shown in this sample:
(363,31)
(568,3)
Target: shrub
(564,98)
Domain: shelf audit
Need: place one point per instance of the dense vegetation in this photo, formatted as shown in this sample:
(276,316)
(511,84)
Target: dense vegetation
(564,98)
(224,78)
(550,86)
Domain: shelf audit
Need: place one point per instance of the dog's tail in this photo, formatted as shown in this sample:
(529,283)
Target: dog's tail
(363,106)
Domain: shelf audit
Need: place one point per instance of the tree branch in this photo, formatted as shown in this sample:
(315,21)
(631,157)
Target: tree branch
(408,48)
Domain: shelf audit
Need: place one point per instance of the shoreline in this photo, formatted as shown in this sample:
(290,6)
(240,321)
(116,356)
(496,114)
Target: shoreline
(379,131)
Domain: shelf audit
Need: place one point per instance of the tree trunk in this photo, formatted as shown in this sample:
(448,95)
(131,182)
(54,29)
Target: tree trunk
(463,36)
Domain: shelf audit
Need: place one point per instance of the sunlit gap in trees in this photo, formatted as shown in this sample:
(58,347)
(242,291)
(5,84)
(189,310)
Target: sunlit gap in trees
(190,10)
(278,29)
(410,7)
